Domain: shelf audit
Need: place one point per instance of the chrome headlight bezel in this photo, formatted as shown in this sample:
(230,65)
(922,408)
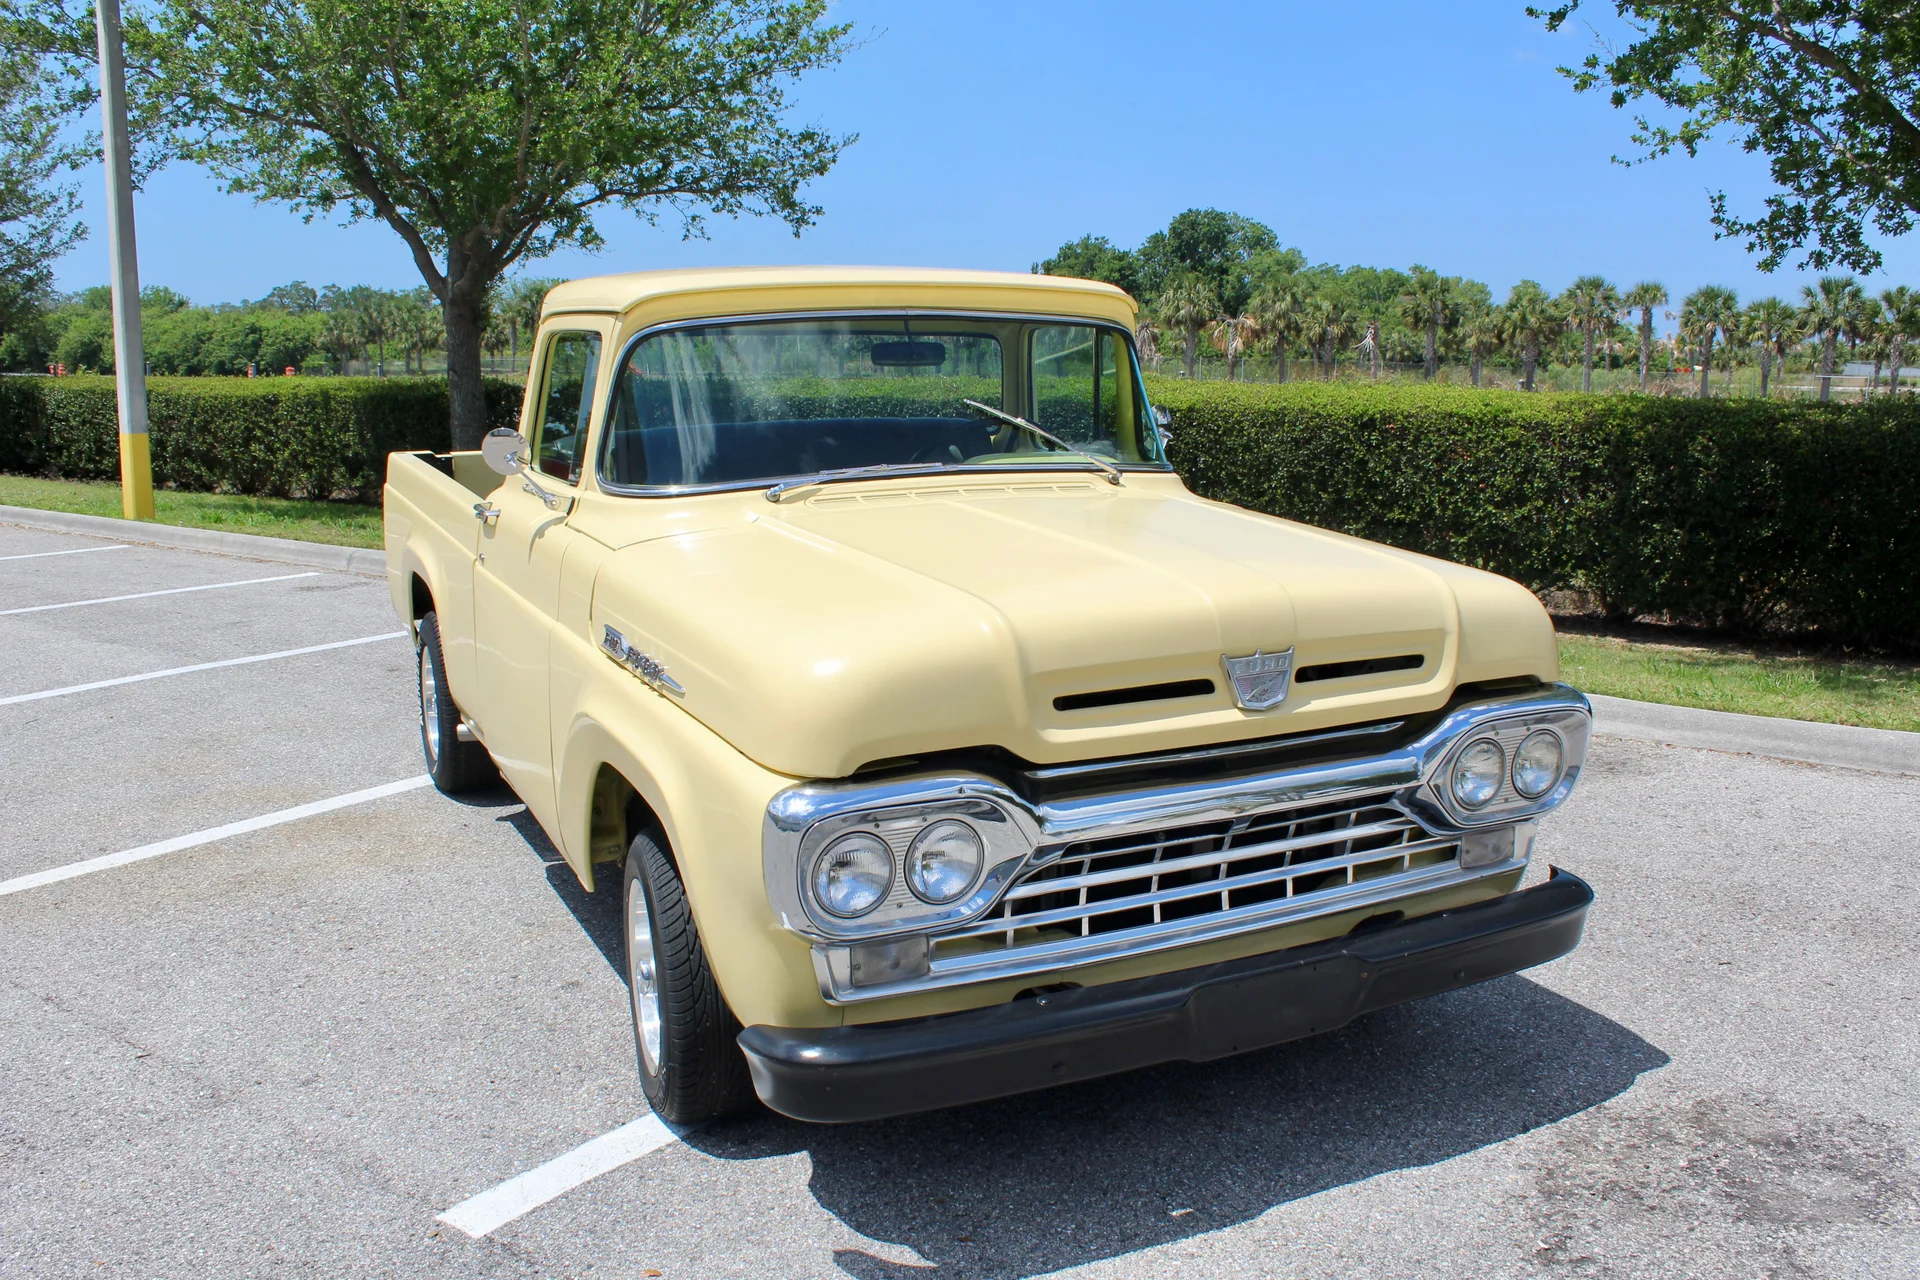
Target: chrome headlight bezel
(805,823)
(1439,807)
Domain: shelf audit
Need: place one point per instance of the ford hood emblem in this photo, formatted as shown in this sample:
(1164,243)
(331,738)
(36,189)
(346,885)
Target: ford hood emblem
(1261,681)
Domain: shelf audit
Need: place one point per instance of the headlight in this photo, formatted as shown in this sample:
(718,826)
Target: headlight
(1536,765)
(943,861)
(1478,772)
(853,874)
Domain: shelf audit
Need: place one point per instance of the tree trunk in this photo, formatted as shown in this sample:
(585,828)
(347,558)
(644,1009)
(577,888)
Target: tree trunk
(1826,364)
(466,390)
(1433,339)
(1529,356)
(1191,354)
(1280,357)
(1766,366)
(1474,370)
(1893,374)
(1873,383)
(1586,363)
(1706,363)
(1646,344)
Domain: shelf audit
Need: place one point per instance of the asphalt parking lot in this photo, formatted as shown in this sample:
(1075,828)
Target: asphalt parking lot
(290,1050)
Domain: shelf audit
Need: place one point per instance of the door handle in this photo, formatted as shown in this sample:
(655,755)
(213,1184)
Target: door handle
(486,513)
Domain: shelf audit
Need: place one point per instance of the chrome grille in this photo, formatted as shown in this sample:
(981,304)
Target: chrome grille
(1308,858)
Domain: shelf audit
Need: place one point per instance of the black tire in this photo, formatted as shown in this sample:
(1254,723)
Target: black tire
(691,1067)
(454,766)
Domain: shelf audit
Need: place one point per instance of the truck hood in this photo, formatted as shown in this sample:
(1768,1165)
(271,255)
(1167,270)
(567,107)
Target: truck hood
(871,622)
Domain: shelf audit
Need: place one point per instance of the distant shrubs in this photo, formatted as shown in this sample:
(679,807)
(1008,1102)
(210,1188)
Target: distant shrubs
(1751,515)
(313,437)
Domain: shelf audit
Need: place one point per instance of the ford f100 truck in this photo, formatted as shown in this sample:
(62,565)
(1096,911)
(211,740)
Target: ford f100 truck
(851,624)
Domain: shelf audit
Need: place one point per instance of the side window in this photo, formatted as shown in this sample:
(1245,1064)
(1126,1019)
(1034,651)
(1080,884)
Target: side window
(1078,391)
(566,401)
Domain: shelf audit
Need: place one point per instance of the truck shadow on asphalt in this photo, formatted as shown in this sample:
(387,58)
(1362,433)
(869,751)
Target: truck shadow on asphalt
(1029,1185)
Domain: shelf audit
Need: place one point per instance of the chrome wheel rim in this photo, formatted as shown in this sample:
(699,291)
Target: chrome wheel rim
(429,708)
(642,978)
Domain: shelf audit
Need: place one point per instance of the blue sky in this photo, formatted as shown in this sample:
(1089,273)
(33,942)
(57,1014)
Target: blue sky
(991,131)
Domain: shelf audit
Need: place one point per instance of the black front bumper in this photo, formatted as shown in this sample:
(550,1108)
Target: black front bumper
(920,1064)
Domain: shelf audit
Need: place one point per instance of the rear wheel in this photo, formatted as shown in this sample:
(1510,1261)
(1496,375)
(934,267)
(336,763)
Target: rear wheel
(691,1067)
(454,766)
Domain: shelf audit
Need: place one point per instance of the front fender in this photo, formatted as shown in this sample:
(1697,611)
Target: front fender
(711,802)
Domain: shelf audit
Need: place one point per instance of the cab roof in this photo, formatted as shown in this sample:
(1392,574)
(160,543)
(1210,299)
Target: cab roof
(917,286)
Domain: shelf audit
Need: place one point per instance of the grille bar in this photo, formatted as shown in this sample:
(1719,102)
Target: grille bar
(1224,858)
(1294,862)
(1007,924)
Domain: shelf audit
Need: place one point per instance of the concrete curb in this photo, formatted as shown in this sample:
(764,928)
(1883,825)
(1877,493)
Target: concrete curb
(314,555)
(1847,746)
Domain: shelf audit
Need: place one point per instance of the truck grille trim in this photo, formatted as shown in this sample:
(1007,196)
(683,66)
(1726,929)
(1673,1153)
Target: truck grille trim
(1110,895)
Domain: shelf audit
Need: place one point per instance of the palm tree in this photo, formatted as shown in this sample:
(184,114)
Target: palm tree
(1230,335)
(1329,325)
(1532,322)
(1146,336)
(1423,309)
(1590,304)
(1903,320)
(1644,297)
(1188,305)
(1769,322)
(1483,334)
(1827,310)
(1706,312)
(1280,307)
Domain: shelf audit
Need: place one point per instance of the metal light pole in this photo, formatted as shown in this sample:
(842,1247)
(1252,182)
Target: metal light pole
(129,353)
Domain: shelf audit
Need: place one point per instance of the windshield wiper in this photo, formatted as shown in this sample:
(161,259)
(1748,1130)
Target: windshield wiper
(856,473)
(1113,472)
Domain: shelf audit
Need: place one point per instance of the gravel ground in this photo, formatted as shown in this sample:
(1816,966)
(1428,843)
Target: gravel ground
(285,1052)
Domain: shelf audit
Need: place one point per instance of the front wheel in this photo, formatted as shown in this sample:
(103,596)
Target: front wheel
(691,1067)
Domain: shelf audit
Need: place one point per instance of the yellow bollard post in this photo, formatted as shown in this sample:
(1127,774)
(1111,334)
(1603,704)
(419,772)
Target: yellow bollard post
(129,351)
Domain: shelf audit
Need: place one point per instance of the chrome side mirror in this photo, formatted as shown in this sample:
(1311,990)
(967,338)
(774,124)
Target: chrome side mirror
(506,452)
(1161,421)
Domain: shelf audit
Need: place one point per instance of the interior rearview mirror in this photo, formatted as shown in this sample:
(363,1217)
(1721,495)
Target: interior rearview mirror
(911,354)
(505,451)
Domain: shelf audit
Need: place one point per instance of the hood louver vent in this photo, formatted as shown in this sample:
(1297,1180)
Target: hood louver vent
(1139,693)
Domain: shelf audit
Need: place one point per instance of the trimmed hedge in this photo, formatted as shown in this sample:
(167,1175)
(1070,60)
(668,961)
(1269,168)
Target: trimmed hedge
(283,437)
(1747,515)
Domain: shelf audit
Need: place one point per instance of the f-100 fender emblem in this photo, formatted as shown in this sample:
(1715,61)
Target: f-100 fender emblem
(1261,681)
(648,668)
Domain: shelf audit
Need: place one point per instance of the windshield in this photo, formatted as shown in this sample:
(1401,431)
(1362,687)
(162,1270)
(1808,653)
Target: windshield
(772,400)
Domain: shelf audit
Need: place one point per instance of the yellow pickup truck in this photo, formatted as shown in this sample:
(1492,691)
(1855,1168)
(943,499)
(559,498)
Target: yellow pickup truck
(851,624)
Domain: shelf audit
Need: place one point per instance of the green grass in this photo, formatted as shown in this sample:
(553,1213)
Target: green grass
(347,524)
(1726,677)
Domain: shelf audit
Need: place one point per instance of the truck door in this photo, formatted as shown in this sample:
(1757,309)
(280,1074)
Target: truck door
(516,575)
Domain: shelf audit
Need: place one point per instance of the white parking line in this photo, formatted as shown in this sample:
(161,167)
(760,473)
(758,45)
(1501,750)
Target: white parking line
(71,551)
(170,591)
(198,666)
(520,1195)
(53,875)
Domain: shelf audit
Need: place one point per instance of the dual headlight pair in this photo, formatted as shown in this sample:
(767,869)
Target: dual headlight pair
(854,874)
(1482,769)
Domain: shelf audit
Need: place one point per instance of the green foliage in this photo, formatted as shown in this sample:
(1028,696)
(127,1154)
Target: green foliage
(278,437)
(485,133)
(1751,515)
(37,208)
(1095,258)
(1826,89)
(1222,249)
